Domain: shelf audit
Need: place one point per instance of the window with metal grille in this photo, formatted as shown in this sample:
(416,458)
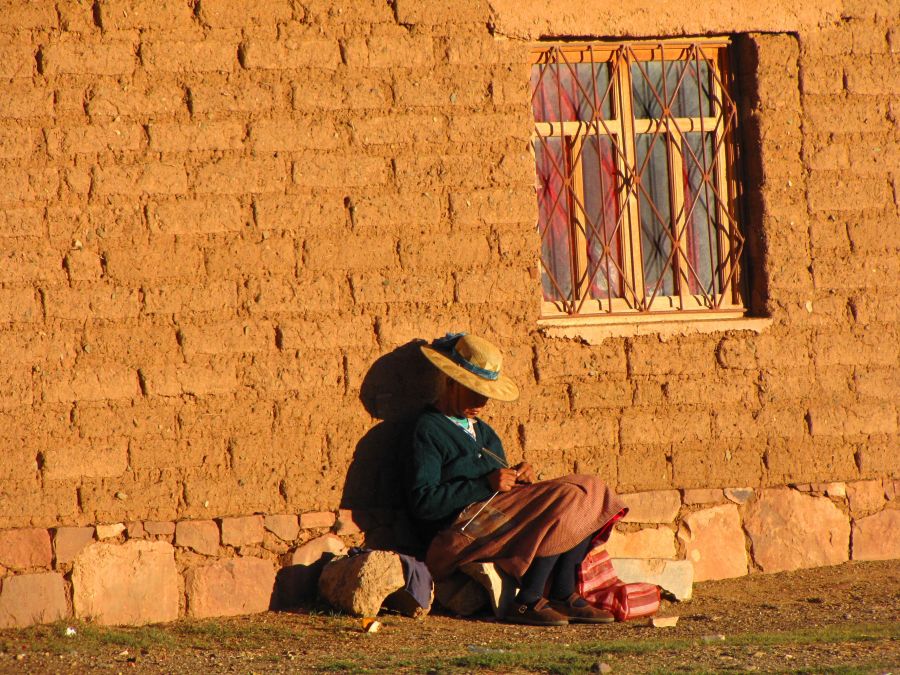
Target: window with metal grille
(635,158)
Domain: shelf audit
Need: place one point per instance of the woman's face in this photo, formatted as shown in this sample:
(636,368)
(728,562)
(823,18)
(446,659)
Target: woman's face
(463,402)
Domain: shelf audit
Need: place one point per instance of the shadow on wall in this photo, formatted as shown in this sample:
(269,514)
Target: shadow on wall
(395,390)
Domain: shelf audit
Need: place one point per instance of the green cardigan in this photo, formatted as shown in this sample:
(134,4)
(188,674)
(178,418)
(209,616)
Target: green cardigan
(448,471)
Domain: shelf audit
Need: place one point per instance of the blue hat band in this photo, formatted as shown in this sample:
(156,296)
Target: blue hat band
(461,361)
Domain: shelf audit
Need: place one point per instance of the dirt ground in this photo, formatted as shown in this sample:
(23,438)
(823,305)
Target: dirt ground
(842,619)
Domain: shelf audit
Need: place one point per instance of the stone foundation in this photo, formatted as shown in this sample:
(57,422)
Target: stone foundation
(151,571)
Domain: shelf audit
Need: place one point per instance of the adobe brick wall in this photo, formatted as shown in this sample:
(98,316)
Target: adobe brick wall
(217,216)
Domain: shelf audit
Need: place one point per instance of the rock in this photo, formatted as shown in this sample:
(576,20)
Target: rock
(242,531)
(25,548)
(877,537)
(68,542)
(300,579)
(646,543)
(229,587)
(790,530)
(134,583)
(110,531)
(28,599)
(601,667)
(865,497)
(284,527)
(661,506)
(316,519)
(200,535)
(739,495)
(702,496)
(159,528)
(714,543)
(359,584)
(460,594)
(829,489)
(664,621)
(674,576)
(500,588)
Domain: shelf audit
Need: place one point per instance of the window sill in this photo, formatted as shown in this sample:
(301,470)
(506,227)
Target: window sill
(595,332)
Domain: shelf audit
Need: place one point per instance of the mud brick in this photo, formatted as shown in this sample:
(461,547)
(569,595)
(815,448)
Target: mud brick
(165,260)
(17,16)
(355,253)
(236,13)
(299,53)
(643,468)
(241,176)
(30,266)
(100,302)
(273,255)
(203,378)
(162,178)
(79,459)
(411,12)
(76,57)
(29,184)
(17,59)
(91,381)
(186,57)
(501,283)
(379,212)
(199,216)
(458,86)
(21,222)
(216,297)
(400,129)
(399,287)
(19,305)
(224,338)
(145,14)
(340,171)
(650,356)
(299,213)
(196,136)
(400,50)
(290,134)
(16,387)
(232,96)
(492,206)
(664,427)
(139,420)
(571,431)
(23,100)
(834,114)
(439,251)
(115,99)
(835,192)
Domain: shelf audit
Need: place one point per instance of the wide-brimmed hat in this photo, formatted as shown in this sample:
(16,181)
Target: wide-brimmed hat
(473,362)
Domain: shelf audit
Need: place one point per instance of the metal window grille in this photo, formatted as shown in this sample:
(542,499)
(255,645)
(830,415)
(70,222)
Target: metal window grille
(635,157)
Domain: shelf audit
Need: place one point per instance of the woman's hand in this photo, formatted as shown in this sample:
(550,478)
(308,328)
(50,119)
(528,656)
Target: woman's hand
(502,480)
(525,473)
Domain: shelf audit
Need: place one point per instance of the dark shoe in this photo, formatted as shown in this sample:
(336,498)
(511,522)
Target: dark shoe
(579,610)
(535,614)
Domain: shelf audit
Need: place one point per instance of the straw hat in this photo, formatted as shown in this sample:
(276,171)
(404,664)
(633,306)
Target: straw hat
(473,362)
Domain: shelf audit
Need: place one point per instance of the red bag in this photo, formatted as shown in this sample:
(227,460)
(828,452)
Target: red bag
(599,585)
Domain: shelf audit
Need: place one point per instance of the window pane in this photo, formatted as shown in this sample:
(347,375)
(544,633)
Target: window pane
(561,95)
(686,99)
(598,168)
(553,219)
(702,214)
(653,206)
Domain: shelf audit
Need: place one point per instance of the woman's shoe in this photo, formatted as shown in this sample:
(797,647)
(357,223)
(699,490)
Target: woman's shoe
(538,613)
(579,610)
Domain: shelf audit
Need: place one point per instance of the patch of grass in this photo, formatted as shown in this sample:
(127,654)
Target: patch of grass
(340,666)
(837,633)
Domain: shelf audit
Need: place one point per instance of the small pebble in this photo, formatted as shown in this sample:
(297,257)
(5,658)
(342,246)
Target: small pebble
(601,667)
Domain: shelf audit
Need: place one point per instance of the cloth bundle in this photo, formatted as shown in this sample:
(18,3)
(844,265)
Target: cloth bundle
(599,585)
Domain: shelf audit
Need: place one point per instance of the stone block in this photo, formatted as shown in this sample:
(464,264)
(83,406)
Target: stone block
(702,496)
(647,543)
(660,506)
(25,548)
(283,526)
(865,497)
(68,542)
(877,537)
(110,531)
(312,551)
(229,588)
(500,587)
(674,576)
(134,583)
(316,519)
(360,584)
(135,530)
(242,531)
(714,543)
(790,530)
(200,535)
(739,495)
(159,528)
(28,599)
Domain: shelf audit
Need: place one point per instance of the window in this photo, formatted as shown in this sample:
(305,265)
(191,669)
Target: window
(635,157)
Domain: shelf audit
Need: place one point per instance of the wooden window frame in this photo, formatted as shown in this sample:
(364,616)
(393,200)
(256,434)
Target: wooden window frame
(634,305)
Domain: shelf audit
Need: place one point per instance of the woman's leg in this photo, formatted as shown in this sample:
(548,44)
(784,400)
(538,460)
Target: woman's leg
(565,577)
(535,579)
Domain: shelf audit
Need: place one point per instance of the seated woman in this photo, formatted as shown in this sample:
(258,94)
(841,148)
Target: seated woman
(473,507)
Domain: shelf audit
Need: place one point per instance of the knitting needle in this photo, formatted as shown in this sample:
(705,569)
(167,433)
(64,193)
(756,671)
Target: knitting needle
(483,506)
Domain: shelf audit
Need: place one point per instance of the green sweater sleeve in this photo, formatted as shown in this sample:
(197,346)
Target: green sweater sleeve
(441,484)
